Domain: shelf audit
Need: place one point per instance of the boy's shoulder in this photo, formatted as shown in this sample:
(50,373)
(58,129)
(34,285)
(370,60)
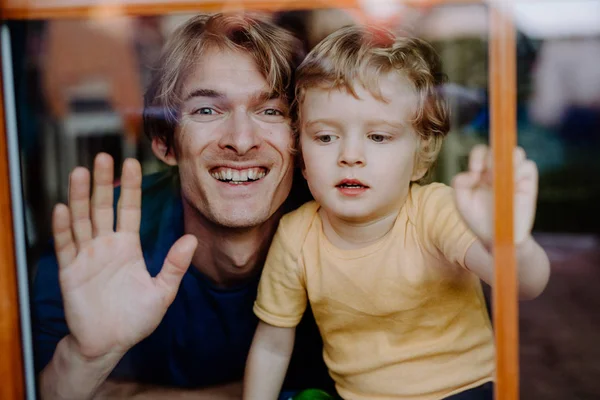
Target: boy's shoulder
(294,226)
(423,194)
(301,216)
(429,198)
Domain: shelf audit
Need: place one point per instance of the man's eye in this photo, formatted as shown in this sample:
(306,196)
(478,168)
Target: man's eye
(272,112)
(377,138)
(205,111)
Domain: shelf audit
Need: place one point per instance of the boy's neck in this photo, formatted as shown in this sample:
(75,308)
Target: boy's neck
(349,235)
(227,256)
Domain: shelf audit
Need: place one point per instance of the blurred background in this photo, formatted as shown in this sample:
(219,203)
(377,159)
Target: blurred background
(79,87)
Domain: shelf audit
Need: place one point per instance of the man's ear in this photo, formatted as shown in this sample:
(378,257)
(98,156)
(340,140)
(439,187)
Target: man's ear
(159,148)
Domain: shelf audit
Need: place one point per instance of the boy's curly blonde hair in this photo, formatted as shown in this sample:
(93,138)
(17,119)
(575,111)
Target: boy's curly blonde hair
(360,54)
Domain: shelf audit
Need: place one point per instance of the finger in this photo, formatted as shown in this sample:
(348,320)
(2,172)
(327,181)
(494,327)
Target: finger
(79,205)
(465,180)
(526,176)
(102,198)
(478,158)
(176,264)
(130,202)
(64,246)
(519,156)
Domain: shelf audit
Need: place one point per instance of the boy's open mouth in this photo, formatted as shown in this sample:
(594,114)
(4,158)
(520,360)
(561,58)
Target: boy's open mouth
(351,184)
(239,176)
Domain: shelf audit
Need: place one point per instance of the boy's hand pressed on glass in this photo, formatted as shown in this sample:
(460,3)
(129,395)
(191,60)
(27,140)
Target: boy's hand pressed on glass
(474,196)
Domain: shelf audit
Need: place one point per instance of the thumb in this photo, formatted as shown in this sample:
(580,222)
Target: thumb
(465,180)
(176,264)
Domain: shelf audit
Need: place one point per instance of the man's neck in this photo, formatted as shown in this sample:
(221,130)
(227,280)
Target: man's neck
(228,256)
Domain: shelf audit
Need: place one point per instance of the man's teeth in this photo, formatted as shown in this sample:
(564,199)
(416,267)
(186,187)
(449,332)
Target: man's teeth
(238,176)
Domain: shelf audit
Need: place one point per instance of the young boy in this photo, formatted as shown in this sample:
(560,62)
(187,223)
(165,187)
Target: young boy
(390,268)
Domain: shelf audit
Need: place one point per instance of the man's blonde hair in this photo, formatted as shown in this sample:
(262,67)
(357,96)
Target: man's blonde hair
(359,54)
(275,51)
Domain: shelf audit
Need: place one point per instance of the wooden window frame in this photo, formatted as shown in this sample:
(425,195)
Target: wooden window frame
(502,71)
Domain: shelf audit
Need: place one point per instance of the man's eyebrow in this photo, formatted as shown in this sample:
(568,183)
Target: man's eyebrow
(204,93)
(265,96)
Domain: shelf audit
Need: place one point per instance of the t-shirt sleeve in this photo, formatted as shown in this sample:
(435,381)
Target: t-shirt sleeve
(281,299)
(442,228)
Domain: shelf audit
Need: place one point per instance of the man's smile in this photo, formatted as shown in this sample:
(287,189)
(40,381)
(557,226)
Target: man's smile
(238,176)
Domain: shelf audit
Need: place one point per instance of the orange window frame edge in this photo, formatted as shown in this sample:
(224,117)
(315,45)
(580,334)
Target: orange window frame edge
(502,62)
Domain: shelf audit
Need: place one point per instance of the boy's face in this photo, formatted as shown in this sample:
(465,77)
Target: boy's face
(359,154)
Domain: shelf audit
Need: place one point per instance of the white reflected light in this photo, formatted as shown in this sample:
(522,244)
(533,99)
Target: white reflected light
(381,9)
(556,19)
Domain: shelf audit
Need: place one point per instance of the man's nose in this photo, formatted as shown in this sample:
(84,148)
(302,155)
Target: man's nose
(352,153)
(241,134)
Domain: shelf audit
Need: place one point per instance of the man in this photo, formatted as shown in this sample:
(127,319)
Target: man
(120,299)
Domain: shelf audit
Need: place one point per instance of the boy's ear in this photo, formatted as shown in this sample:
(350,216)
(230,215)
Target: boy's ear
(418,173)
(159,148)
(420,168)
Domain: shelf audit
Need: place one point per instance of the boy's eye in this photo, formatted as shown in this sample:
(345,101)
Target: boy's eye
(325,138)
(377,138)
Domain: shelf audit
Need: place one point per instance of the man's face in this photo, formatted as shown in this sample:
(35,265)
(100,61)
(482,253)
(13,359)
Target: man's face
(359,153)
(233,141)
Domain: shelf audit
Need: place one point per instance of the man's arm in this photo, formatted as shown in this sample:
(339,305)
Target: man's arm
(110,300)
(71,376)
(268,361)
(115,390)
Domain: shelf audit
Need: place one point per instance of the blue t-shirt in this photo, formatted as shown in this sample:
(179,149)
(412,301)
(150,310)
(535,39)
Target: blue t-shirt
(204,337)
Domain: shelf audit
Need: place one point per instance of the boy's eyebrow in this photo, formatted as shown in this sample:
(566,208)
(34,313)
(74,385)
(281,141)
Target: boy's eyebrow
(374,122)
(323,121)
(393,124)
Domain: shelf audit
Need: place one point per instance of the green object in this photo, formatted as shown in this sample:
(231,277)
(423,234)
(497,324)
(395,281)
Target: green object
(313,394)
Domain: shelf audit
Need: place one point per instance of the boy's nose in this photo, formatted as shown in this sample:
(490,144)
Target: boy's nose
(352,154)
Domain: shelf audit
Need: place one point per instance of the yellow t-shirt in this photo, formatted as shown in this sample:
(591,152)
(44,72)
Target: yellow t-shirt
(401,318)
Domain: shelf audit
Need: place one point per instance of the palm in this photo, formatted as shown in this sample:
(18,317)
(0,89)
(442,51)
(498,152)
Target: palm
(111,302)
(108,290)
(475,199)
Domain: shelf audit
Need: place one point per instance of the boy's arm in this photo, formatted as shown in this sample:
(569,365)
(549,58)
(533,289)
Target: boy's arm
(474,199)
(533,267)
(268,361)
